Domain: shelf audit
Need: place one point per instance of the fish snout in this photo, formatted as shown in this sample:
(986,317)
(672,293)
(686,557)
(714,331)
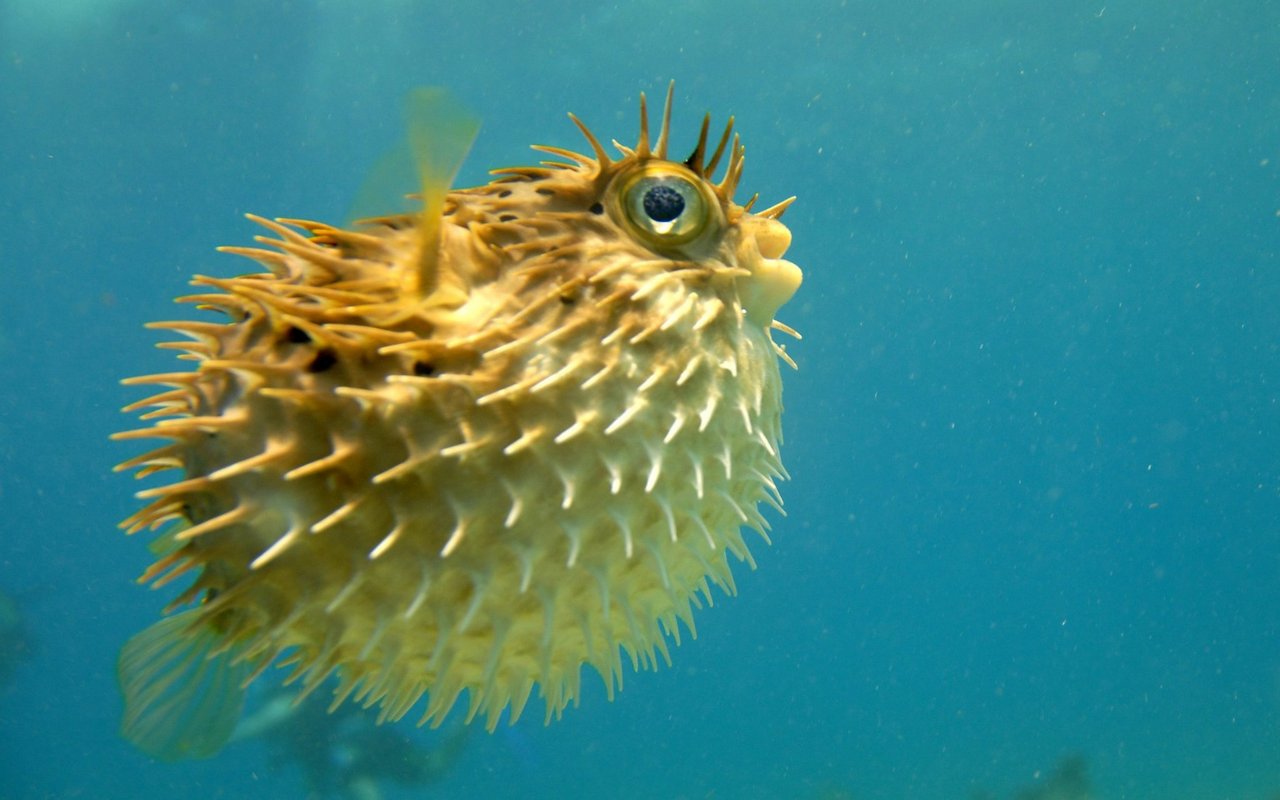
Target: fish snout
(774,280)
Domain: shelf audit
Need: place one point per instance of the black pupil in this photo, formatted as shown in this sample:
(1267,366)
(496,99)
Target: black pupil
(663,204)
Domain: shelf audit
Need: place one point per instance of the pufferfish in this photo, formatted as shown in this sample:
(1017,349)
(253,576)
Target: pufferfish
(466,450)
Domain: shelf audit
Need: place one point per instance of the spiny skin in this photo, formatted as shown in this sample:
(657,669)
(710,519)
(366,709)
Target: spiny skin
(543,464)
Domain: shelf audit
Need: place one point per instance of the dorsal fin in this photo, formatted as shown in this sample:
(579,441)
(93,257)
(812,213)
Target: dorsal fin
(440,132)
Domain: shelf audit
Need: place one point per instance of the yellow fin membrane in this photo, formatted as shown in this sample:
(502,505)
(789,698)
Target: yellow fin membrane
(386,189)
(440,132)
(180,699)
(167,542)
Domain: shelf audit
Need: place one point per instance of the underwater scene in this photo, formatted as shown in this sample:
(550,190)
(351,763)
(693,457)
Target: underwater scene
(586,473)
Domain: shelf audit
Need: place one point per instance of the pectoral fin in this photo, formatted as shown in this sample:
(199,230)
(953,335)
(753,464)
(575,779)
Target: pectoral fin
(180,699)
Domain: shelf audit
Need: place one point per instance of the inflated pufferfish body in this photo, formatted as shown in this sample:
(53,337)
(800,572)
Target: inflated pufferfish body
(467,450)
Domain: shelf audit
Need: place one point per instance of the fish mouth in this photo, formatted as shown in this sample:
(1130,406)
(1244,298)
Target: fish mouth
(773,280)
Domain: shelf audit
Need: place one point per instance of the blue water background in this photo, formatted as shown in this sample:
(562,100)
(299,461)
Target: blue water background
(1034,435)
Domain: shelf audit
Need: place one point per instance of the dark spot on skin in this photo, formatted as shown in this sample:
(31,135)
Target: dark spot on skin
(324,359)
(507,217)
(424,369)
(296,335)
(567,299)
(504,193)
(597,208)
(546,192)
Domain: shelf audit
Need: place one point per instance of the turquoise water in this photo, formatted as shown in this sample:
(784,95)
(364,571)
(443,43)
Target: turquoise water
(1034,434)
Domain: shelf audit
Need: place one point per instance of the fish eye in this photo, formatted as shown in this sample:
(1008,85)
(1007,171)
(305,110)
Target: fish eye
(662,203)
(663,206)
